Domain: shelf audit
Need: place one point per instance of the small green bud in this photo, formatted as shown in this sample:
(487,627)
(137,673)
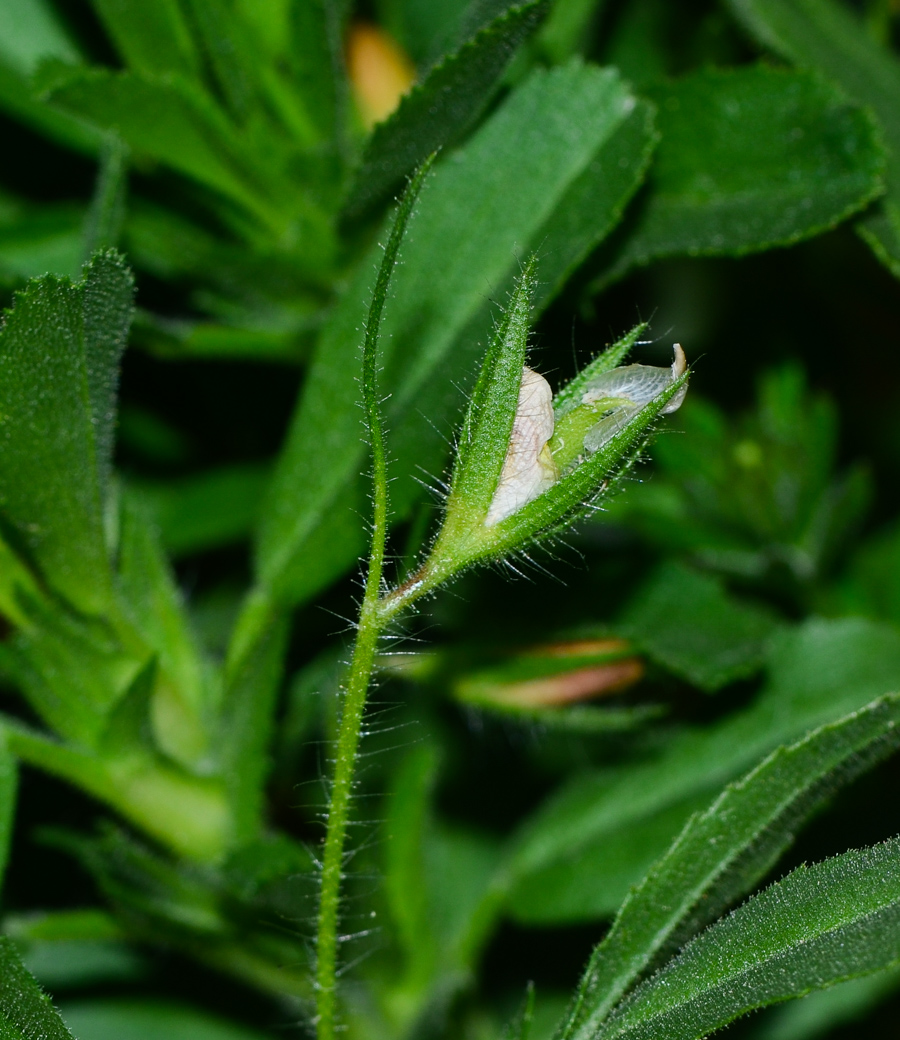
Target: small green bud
(559,453)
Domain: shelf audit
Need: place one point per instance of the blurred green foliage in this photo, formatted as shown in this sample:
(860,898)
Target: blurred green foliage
(181,522)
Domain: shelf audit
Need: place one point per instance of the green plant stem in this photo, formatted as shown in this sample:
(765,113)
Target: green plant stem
(338,818)
(372,619)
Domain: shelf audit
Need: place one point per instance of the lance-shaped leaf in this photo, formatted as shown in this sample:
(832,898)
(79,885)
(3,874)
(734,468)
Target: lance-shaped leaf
(725,850)
(822,924)
(26,1012)
(440,108)
(59,362)
(826,36)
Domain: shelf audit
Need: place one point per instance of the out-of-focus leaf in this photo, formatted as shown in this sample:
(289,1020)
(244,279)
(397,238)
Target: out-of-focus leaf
(822,924)
(755,497)
(166,120)
(408,812)
(215,508)
(82,962)
(251,684)
(26,1012)
(825,1010)
(567,30)
(186,813)
(824,35)
(687,622)
(59,359)
(263,299)
(425,30)
(175,340)
(520,1027)
(8,785)
(438,880)
(723,852)
(69,948)
(442,106)
(818,673)
(228,51)
(871,586)
(32,31)
(151,38)
(230,914)
(182,694)
(556,162)
(749,158)
(149,1020)
(106,214)
(46,241)
(176,123)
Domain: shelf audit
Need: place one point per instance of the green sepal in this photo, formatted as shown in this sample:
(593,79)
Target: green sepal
(487,428)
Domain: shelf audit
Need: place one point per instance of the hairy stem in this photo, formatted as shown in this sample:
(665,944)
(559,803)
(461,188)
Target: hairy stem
(372,620)
(338,818)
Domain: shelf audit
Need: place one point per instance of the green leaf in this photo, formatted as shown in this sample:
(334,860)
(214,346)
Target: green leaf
(443,106)
(252,680)
(818,673)
(438,881)
(26,1012)
(567,30)
(106,215)
(687,622)
(425,30)
(151,38)
(227,49)
(71,670)
(520,1027)
(32,31)
(570,142)
(176,123)
(150,1020)
(40,240)
(826,36)
(825,1010)
(184,686)
(749,158)
(407,819)
(65,949)
(188,814)
(755,496)
(59,359)
(723,852)
(836,920)
(8,786)
(214,508)
(871,585)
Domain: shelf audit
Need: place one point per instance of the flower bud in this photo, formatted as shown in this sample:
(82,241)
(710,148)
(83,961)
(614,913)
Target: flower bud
(529,463)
